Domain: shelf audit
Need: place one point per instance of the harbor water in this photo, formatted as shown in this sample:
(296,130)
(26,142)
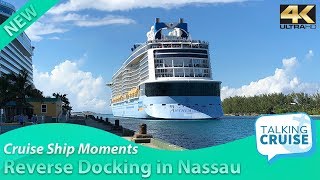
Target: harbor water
(194,134)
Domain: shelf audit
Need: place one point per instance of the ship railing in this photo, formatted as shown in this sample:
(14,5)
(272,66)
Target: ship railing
(177,40)
(173,45)
(132,80)
(138,52)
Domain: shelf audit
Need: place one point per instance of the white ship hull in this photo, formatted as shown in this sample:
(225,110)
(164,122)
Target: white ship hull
(175,107)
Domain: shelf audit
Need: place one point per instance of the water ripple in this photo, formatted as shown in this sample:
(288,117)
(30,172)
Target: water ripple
(195,134)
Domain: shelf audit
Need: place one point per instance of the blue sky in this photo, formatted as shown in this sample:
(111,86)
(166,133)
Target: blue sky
(246,45)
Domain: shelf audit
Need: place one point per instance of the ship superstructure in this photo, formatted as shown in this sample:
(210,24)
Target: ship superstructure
(167,77)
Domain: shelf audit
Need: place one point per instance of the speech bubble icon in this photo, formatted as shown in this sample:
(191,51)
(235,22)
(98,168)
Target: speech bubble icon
(283,134)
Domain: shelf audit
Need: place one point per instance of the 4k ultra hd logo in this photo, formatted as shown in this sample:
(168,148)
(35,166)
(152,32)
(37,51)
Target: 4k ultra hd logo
(296,16)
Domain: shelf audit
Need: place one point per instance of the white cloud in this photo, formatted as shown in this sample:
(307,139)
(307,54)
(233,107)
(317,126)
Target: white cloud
(108,20)
(51,24)
(38,29)
(55,38)
(310,54)
(114,5)
(60,15)
(89,21)
(283,80)
(85,91)
(68,17)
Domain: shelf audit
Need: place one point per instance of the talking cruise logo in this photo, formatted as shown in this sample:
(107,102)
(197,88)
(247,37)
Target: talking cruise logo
(283,134)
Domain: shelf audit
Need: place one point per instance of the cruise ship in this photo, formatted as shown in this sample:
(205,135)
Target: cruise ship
(167,77)
(18,54)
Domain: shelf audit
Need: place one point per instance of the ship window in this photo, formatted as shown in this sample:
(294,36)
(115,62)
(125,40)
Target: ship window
(188,72)
(186,46)
(168,63)
(205,64)
(188,63)
(181,55)
(181,50)
(198,72)
(159,63)
(183,89)
(178,73)
(178,62)
(196,63)
(164,73)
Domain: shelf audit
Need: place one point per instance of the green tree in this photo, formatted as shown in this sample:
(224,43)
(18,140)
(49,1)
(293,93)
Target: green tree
(273,103)
(5,91)
(65,101)
(17,88)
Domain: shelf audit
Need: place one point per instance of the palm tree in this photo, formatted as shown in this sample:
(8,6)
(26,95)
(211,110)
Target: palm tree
(22,87)
(65,101)
(17,88)
(35,93)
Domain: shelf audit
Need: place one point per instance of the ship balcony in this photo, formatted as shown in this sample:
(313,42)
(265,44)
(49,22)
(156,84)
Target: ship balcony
(181,44)
(179,40)
(182,77)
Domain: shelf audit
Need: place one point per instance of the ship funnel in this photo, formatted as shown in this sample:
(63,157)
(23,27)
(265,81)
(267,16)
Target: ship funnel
(181,20)
(157,20)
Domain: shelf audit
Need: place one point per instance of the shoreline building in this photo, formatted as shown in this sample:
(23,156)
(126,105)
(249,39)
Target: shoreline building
(49,108)
(18,54)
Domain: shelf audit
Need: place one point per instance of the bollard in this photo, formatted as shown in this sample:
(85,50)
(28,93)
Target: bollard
(101,119)
(143,129)
(117,123)
(142,136)
(107,120)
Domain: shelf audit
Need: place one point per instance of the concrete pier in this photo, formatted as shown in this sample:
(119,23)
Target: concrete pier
(140,137)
